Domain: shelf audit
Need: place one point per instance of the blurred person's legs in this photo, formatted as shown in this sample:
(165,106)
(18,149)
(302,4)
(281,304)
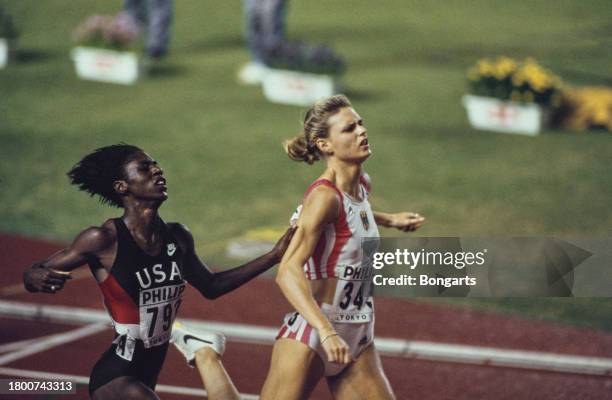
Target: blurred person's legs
(215,378)
(294,371)
(363,379)
(137,10)
(265,30)
(265,26)
(158,34)
(156,17)
(203,349)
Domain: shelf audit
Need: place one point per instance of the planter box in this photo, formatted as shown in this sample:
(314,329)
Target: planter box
(297,88)
(106,65)
(504,116)
(4,52)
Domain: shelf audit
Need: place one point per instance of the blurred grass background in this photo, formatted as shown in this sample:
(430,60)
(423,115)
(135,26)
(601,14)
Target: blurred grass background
(219,142)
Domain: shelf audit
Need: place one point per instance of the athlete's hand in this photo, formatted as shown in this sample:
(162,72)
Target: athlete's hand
(281,246)
(406,221)
(336,349)
(40,279)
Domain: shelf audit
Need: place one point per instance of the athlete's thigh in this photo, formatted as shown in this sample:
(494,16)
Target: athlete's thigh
(363,379)
(294,371)
(124,388)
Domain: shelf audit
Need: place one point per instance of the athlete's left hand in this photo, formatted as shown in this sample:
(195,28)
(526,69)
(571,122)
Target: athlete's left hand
(407,221)
(281,246)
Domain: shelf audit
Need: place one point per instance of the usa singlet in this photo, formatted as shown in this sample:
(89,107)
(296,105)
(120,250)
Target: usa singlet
(142,294)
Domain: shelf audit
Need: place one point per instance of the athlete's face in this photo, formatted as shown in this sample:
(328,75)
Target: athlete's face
(348,137)
(144,179)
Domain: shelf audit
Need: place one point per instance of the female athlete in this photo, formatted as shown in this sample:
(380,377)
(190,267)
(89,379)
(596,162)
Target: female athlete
(141,264)
(322,274)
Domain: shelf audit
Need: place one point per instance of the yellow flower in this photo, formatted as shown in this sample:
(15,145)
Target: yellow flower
(587,107)
(504,67)
(485,67)
(529,79)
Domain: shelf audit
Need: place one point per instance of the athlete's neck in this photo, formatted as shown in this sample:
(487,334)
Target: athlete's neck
(141,220)
(344,176)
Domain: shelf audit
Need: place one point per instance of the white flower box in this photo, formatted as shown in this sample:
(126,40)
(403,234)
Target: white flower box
(4,52)
(504,116)
(106,65)
(296,88)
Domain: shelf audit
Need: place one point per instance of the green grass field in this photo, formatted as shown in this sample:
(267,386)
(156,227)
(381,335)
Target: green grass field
(219,142)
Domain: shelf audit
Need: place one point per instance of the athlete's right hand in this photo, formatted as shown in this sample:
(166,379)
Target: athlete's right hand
(281,246)
(336,349)
(40,279)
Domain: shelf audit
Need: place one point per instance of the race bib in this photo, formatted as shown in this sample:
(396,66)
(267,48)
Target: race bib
(353,301)
(158,309)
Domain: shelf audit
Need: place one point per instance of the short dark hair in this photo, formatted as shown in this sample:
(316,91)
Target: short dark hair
(97,171)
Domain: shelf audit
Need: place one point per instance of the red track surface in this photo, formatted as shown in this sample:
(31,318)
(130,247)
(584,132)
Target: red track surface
(260,303)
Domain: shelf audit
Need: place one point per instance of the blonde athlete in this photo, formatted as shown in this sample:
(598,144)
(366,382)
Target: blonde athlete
(321,274)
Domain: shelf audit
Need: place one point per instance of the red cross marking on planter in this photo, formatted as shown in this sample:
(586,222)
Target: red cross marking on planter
(296,84)
(504,113)
(104,62)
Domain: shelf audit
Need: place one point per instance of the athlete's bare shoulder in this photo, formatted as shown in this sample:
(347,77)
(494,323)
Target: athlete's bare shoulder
(322,203)
(324,196)
(96,239)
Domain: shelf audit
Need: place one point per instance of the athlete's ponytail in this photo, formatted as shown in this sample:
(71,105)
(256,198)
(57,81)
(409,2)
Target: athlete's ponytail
(303,147)
(297,150)
(97,171)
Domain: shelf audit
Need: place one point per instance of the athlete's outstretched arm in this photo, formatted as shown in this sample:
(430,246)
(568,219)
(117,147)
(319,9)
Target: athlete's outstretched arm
(321,207)
(404,221)
(215,284)
(51,274)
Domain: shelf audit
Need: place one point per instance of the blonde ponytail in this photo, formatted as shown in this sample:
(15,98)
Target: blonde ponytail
(302,147)
(298,150)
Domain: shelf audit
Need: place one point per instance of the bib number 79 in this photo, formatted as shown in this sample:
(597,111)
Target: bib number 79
(166,315)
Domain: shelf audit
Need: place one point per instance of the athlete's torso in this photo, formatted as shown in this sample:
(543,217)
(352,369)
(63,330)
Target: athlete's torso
(338,258)
(142,293)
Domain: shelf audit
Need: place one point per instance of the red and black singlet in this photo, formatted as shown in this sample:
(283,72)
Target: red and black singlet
(142,295)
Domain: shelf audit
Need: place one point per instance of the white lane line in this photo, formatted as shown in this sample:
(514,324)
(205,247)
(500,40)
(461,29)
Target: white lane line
(497,357)
(188,391)
(16,345)
(12,346)
(444,352)
(53,341)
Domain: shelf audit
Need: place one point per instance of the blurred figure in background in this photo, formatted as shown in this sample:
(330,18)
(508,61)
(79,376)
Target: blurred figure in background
(154,17)
(265,30)
(270,49)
